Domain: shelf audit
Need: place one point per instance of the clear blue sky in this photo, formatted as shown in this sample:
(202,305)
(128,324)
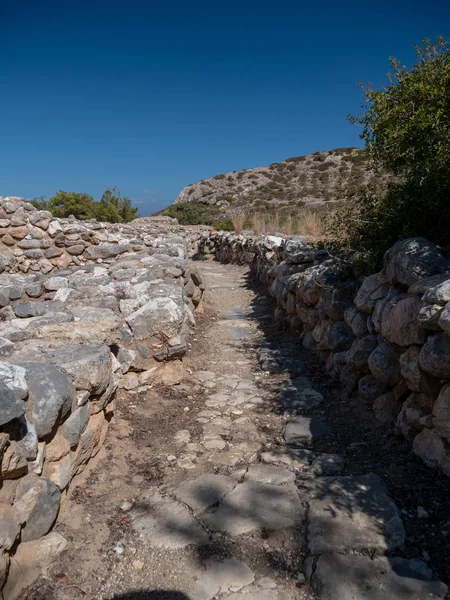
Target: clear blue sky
(151,96)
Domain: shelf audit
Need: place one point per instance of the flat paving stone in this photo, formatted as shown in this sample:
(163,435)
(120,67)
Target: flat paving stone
(165,523)
(300,401)
(270,474)
(295,458)
(348,514)
(328,464)
(202,493)
(221,575)
(302,431)
(252,506)
(351,577)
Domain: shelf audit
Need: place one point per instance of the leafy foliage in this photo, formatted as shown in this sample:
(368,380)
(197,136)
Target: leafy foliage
(112,207)
(406,126)
(193,213)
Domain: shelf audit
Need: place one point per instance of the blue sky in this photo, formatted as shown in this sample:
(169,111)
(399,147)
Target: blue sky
(150,96)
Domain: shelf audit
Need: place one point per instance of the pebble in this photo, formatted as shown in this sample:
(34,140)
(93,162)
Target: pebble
(126,506)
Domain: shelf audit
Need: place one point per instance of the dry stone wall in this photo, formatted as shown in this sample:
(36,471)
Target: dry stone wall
(385,337)
(74,326)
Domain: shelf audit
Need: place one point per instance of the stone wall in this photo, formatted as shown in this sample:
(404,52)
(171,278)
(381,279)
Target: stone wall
(385,337)
(117,314)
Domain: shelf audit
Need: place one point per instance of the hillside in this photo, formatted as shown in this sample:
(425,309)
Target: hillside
(310,181)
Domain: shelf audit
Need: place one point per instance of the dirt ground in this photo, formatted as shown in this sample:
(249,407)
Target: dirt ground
(106,559)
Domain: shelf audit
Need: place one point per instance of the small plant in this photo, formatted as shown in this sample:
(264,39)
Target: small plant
(238,220)
(311,225)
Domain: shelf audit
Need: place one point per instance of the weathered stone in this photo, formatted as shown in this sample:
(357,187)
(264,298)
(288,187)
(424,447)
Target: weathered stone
(105,251)
(414,259)
(416,379)
(429,317)
(90,442)
(350,577)
(356,320)
(37,504)
(340,337)
(89,365)
(441,413)
(11,406)
(220,576)
(164,523)
(159,316)
(433,450)
(73,427)
(399,323)
(14,377)
(351,514)
(9,526)
(439,293)
(269,474)
(59,472)
(358,355)
(373,288)
(434,356)
(386,408)
(302,431)
(252,506)
(384,364)
(51,395)
(204,492)
(327,464)
(370,388)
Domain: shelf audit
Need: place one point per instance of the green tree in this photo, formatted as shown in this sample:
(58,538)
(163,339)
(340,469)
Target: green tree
(63,204)
(406,127)
(114,208)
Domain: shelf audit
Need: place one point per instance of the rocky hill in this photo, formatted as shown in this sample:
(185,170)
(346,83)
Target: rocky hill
(313,181)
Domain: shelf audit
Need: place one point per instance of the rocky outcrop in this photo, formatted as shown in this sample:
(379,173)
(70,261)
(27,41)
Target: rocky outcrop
(386,338)
(94,308)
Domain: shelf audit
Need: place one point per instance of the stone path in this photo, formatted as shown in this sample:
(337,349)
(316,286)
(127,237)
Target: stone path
(246,509)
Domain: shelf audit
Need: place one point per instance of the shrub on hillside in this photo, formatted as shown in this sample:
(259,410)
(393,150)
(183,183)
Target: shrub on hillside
(406,129)
(112,207)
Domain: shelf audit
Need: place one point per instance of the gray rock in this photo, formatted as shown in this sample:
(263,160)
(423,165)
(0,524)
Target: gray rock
(370,388)
(36,309)
(157,316)
(352,514)
(253,506)
(9,526)
(386,408)
(414,259)
(400,322)
(298,251)
(416,379)
(89,365)
(433,450)
(328,464)
(358,355)
(356,320)
(302,431)
(434,356)
(204,492)
(340,336)
(105,251)
(373,288)
(14,377)
(429,317)
(220,575)
(11,406)
(73,427)
(6,347)
(51,396)
(384,364)
(439,293)
(164,523)
(34,290)
(269,474)
(37,503)
(350,577)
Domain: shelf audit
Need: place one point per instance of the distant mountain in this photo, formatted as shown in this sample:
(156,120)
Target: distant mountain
(312,181)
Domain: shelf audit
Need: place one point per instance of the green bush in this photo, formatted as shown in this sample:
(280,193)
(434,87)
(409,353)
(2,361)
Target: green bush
(406,129)
(112,207)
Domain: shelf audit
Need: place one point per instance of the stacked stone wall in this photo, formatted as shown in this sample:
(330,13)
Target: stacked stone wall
(75,327)
(385,337)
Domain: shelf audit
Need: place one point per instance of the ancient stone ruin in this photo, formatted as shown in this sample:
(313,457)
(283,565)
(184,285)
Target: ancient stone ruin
(85,308)
(386,336)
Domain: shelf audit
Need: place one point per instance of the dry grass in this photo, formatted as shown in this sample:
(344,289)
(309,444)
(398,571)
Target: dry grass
(311,225)
(238,220)
(308,223)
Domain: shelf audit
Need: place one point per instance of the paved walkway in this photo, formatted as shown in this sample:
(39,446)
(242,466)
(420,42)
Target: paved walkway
(244,508)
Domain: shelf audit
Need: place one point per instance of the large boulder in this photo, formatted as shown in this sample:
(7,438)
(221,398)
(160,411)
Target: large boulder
(413,259)
(340,336)
(434,356)
(51,396)
(358,355)
(384,364)
(11,406)
(37,504)
(399,321)
(373,288)
(416,379)
(159,316)
(433,450)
